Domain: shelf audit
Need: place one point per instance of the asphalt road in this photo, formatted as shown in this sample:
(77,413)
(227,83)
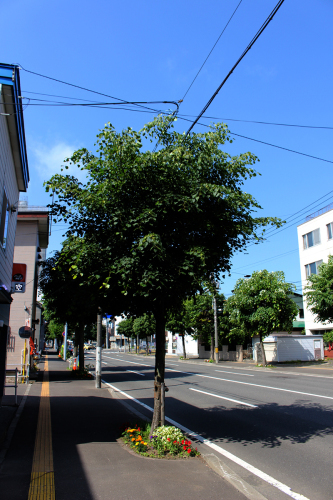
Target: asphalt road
(276,420)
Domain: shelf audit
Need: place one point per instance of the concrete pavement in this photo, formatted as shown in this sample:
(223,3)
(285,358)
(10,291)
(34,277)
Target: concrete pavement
(65,446)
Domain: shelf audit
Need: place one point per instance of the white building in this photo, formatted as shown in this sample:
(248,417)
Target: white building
(315,243)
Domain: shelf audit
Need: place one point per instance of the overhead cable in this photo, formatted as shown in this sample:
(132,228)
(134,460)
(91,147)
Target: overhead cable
(225,27)
(254,39)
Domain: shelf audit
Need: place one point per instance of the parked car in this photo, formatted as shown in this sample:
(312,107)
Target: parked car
(87,346)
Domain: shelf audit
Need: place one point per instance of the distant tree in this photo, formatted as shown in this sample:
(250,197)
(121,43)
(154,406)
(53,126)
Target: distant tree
(145,326)
(319,294)
(260,305)
(156,224)
(67,298)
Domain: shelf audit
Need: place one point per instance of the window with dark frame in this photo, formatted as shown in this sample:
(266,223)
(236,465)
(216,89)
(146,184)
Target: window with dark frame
(312,268)
(311,239)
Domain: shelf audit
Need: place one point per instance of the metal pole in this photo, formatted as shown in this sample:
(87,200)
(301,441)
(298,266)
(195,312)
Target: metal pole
(65,342)
(99,349)
(216,332)
(107,334)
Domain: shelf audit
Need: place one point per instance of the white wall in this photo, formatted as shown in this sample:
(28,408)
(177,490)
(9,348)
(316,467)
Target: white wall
(314,254)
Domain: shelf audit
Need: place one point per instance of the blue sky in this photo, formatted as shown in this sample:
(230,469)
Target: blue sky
(145,51)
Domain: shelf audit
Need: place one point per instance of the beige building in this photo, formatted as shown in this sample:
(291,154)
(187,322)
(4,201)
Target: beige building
(32,237)
(14,178)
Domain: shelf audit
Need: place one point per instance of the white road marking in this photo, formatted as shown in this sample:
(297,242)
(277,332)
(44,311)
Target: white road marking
(273,372)
(254,385)
(104,363)
(236,373)
(174,364)
(132,362)
(257,472)
(132,371)
(222,397)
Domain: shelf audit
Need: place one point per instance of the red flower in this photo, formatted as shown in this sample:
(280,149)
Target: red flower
(168,439)
(182,441)
(175,442)
(186,442)
(139,429)
(184,448)
(189,443)
(189,451)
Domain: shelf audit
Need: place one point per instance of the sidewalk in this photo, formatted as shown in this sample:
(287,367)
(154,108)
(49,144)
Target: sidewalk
(73,429)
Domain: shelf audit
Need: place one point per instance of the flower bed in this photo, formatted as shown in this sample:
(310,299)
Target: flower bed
(164,442)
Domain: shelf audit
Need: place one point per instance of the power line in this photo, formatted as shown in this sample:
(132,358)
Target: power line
(254,39)
(225,27)
(193,116)
(266,143)
(72,85)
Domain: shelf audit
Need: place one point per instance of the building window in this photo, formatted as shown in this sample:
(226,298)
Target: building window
(4,220)
(312,268)
(330,230)
(301,313)
(311,239)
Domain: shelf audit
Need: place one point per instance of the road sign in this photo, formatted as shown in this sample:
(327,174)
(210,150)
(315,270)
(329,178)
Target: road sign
(18,278)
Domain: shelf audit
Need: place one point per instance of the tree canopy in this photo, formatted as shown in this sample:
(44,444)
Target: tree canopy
(319,292)
(261,304)
(151,226)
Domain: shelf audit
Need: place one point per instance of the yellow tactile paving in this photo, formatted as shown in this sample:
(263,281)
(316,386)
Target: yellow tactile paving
(42,474)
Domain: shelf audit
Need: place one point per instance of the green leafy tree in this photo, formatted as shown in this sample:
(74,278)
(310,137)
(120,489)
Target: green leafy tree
(260,305)
(144,326)
(153,225)
(125,328)
(319,295)
(67,298)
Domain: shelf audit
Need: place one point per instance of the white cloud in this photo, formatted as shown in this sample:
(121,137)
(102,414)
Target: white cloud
(48,160)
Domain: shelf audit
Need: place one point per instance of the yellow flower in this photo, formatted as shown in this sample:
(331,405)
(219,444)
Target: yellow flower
(136,444)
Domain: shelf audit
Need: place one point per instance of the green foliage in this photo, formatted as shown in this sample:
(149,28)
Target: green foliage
(328,336)
(144,325)
(54,329)
(125,327)
(196,318)
(261,305)
(152,226)
(319,292)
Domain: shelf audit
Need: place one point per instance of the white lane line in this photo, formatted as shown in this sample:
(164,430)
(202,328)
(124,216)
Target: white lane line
(254,385)
(132,362)
(222,397)
(273,372)
(235,373)
(257,472)
(174,364)
(104,363)
(132,371)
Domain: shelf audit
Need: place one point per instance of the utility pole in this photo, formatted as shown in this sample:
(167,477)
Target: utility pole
(216,332)
(99,349)
(65,342)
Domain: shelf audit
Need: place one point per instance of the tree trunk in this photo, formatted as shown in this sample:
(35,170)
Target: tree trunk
(264,362)
(184,351)
(81,344)
(212,339)
(159,367)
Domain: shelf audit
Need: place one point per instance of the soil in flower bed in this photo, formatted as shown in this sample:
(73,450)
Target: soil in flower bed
(166,442)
